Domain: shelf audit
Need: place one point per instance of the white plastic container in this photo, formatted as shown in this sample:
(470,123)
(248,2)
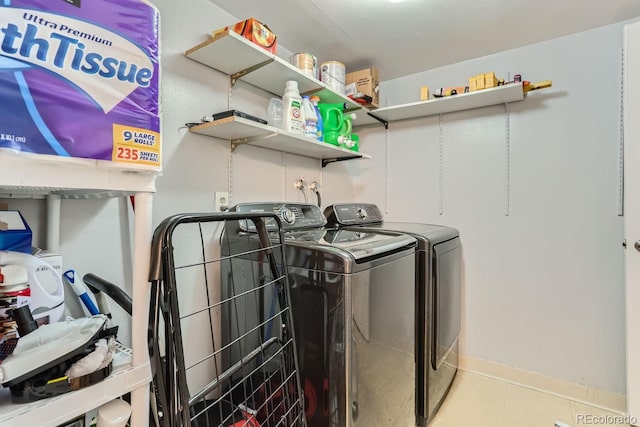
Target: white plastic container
(310,118)
(292,108)
(333,74)
(114,414)
(47,305)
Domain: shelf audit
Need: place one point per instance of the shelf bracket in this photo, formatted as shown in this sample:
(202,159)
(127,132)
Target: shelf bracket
(239,74)
(325,162)
(383,121)
(235,143)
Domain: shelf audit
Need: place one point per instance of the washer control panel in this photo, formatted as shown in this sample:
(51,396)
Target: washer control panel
(287,215)
(353,214)
(294,216)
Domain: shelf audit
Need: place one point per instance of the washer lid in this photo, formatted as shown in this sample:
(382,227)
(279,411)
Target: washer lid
(365,245)
(432,232)
(350,245)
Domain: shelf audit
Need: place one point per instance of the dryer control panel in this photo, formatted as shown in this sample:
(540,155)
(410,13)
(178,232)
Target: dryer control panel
(293,216)
(353,214)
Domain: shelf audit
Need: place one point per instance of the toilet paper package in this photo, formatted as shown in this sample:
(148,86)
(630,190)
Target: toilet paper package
(79,78)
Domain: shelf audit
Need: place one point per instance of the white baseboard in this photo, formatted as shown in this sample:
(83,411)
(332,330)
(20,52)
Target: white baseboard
(606,400)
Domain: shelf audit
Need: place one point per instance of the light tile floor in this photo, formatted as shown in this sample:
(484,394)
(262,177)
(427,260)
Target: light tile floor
(478,401)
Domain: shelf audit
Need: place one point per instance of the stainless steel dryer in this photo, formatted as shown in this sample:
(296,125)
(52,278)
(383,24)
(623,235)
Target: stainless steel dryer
(432,313)
(340,280)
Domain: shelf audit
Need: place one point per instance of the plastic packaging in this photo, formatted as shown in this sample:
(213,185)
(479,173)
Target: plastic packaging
(292,108)
(319,126)
(310,118)
(81,81)
(274,113)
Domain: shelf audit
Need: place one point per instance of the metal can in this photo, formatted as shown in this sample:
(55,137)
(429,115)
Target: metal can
(305,62)
(332,73)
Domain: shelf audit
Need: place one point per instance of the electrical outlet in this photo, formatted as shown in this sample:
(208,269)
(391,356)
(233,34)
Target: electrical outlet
(221,201)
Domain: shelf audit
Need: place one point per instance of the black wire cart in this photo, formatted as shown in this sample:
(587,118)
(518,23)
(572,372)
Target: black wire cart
(221,333)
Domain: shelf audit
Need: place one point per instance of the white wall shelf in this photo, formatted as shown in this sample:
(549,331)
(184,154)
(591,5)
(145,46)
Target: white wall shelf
(25,175)
(236,56)
(241,59)
(238,131)
(465,101)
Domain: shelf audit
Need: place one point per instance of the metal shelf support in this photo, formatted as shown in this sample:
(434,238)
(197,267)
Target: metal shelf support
(507,160)
(384,122)
(236,76)
(235,143)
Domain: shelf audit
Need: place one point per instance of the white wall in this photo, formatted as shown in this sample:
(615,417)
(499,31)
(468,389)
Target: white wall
(95,235)
(544,286)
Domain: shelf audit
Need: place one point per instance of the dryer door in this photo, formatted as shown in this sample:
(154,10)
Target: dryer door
(446,299)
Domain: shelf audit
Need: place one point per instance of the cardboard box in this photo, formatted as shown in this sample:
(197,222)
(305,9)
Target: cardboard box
(482,81)
(15,234)
(367,82)
(490,80)
(89,80)
(255,31)
(424,93)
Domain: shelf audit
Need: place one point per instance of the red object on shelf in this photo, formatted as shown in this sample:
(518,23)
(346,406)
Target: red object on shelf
(256,31)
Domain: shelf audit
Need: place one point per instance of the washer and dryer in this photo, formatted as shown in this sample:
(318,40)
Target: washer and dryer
(354,343)
(425,321)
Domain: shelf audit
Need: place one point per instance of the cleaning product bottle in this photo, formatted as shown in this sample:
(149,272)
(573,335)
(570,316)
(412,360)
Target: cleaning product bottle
(332,122)
(310,118)
(320,134)
(292,108)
